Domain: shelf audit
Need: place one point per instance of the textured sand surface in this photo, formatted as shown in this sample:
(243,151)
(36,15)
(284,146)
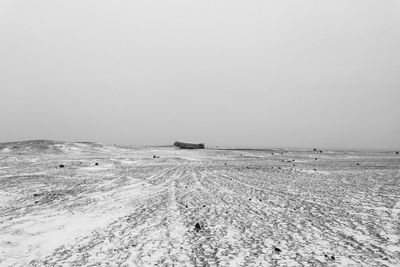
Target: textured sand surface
(254,208)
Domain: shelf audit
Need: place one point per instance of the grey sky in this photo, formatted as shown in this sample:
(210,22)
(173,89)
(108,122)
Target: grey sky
(242,73)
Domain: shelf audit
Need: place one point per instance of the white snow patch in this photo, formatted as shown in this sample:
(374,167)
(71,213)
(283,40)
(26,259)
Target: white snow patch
(6,150)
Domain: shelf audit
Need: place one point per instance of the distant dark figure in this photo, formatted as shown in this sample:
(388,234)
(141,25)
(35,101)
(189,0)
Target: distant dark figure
(315,150)
(277,250)
(96,164)
(320,151)
(397,152)
(315,169)
(61,166)
(272,153)
(154,157)
(197,227)
(358,163)
(316,158)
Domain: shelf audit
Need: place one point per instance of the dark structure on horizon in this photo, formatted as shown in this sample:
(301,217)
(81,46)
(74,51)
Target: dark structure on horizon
(184,145)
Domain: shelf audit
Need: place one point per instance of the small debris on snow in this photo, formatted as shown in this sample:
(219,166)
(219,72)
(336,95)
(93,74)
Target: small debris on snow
(197,227)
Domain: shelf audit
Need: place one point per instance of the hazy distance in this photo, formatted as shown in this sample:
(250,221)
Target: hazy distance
(237,73)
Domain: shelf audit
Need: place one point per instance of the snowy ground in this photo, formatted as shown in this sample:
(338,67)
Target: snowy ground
(254,207)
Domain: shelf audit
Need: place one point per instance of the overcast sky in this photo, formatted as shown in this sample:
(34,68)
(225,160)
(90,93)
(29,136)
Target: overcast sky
(241,73)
